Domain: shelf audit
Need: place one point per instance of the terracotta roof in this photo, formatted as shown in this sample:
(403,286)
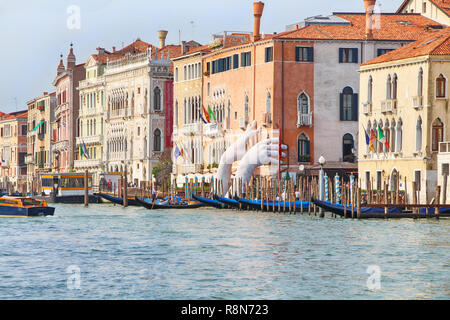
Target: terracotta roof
(135,47)
(173,50)
(103,58)
(393,27)
(444,5)
(437,43)
(14,115)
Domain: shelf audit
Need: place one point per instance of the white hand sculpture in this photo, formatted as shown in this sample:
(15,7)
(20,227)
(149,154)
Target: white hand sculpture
(264,152)
(234,153)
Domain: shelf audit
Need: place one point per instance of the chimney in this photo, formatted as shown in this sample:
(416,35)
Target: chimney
(114,49)
(183,47)
(101,50)
(162,34)
(258,8)
(369,6)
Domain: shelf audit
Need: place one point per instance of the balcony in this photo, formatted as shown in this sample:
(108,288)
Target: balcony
(61,145)
(304,119)
(29,159)
(91,82)
(191,168)
(118,113)
(389,106)
(90,111)
(90,140)
(267,119)
(367,108)
(60,109)
(418,102)
(212,130)
(191,129)
(88,164)
(444,147)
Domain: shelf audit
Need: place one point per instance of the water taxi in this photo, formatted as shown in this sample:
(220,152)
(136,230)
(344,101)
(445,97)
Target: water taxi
(24,207)
(67,187)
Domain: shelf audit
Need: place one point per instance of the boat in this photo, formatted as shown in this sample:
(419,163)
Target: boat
(378,212)
(24,207)
(232,203)
(117,200)
(67,187)
(283,205)
(151,206)
(210,202)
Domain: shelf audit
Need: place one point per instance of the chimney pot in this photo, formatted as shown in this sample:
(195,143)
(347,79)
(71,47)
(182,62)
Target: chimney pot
(114,49)
(369,7)
(258,8)
(162,34)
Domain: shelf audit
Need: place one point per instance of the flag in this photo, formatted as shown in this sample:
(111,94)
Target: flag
(201,117)
(64,124)
(367,136)
(83,151)
(373,139)
(177,152)
(211,114)
(2,162)
(39,124)
(206,114)
(382,138)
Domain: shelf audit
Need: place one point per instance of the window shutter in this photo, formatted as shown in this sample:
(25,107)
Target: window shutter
(355,107)
(242,59)
(341,55)
(310,54)
(341,107)
(355,55)
(297,54)
(379,52)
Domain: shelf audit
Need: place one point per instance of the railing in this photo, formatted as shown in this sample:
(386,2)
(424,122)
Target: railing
(417,102)
(61,108)
(85,111)
(60,145)
(88,163)
(117,113)
(91,82)
(444,147)
(191,168)
(367,108)
(191,129)
(304,119)
(89,140)
(211,129)
(389,105)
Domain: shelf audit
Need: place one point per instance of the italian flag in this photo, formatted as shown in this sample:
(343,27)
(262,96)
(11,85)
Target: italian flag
(382,138)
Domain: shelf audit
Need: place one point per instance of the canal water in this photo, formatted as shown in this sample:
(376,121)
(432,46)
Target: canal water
(107,252)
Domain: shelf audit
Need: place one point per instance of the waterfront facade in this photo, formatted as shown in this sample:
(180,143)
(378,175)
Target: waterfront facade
(437,10)
(41,112)
(65,125)
(13,149)
(406,98)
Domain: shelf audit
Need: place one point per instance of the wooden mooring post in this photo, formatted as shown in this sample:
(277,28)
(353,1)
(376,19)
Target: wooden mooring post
(86,189)
(125,189)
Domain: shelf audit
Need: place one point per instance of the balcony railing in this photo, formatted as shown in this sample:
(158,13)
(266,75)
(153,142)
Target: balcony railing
(91,82)
(88,163)
(61,145)
(191,168)
(89,140)
(191,129)
(117,113)
(304,119)
(444,147)
(367,108)
(389,106)
(211,130)
(417,102)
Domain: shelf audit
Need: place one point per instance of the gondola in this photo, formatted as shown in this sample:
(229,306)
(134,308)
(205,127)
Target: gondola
(256,204)
(156,206)
(376,212)
(117,200)
(231,203)
(210,202)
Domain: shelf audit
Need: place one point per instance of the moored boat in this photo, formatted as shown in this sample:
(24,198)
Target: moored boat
(210,202)
(232,203)
(24,207)
(156,205)
(283,205)
(117,200)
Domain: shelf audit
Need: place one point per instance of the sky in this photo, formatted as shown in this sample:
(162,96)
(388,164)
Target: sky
(33,34)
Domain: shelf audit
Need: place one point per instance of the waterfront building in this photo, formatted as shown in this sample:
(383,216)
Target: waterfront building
(41,112)
(65,125)
(139,102)
(437,10)
(404,95)
(303,81)
(13,149)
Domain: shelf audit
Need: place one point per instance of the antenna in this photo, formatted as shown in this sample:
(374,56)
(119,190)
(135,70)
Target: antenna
(193,26)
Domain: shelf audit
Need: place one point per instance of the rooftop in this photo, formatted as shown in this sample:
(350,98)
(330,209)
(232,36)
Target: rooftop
(444,5)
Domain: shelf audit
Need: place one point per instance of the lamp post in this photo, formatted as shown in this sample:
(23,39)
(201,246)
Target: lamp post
(321,174)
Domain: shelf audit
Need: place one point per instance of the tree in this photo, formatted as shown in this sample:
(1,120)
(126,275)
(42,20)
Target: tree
(162,172)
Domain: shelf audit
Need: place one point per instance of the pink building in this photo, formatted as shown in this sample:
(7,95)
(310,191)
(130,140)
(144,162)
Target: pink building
(66,113)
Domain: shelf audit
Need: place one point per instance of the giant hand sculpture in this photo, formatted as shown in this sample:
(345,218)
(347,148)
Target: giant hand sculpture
(264,152)
(234,153)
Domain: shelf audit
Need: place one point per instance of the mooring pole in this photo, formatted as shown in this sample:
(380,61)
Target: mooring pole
(86,189)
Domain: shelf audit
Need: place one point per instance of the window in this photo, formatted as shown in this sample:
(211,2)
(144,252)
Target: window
(393,135)
(303,110)
(379,181)
(419,135)
(269,54)
(369,90)
(246,59)
(368,184)
(440,86)
(246,111)
(303,148)
(304,54)
(424,9)
(394,87)
(399,137)
(389,88)
(348,105)
(437,134)
(185,73)
(221,65)
(347,148)
(348,55)
(380,52)
(157,140)
(420,83)
(268,102)
(176,74)
(157,99)
(176,113)
(235,61)
(208,67)
(418,179)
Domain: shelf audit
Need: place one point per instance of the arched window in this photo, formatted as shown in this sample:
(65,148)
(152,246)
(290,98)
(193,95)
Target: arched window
(303,148)
(348,144)
(387,136)
(437,134)
(303,109)
(81,128)
(419,135)
(157,99)
(394,180)
(176,74)
(348,105)
(441,86)
(388,88)
(268,102)
(157,140)
(176,113)
(394,87)
(420,83)
(369,90)
(393,136)
(399,137)
(229,115)
(246,111)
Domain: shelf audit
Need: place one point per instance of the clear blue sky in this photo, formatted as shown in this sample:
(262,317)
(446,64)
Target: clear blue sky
(34,33)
